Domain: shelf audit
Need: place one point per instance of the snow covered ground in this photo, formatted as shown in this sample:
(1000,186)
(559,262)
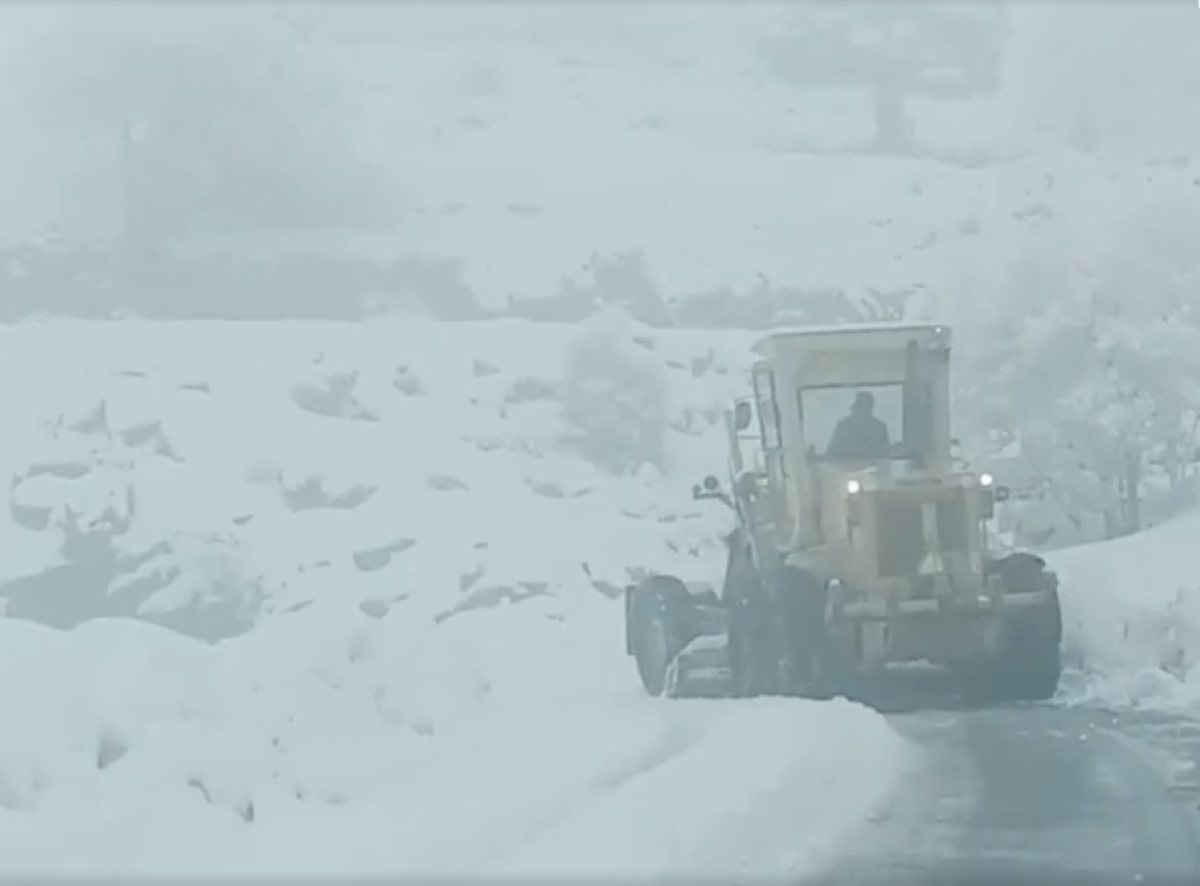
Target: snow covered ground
(1132,617)
(435,679)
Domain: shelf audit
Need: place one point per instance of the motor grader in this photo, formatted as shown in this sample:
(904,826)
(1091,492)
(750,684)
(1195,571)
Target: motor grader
(842,567)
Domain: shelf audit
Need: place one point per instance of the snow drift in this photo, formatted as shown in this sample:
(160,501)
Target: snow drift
(1132,616)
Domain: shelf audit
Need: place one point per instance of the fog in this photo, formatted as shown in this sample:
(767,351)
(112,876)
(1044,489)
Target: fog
(223,120)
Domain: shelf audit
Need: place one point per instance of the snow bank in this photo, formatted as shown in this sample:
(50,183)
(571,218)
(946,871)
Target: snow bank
(1132,616)
(766,792)
(137,749)
(435,681)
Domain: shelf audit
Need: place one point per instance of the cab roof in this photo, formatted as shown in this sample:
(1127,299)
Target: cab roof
(852,337)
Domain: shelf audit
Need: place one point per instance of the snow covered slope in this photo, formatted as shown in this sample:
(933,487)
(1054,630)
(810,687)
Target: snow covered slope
(807,221)
(662,131)
(1132,616)
(435,681)
(397,460)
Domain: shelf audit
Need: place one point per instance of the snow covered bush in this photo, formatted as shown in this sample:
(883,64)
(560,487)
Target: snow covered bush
(1088,365)
(614,398)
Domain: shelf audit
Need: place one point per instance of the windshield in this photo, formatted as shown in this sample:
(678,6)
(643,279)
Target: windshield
(867,431)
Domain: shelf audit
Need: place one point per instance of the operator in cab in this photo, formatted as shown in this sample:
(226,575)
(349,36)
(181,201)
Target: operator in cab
(860,436)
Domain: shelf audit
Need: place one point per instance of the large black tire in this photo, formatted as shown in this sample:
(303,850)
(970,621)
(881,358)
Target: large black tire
(661,623)
(1029,663)
(1033,640)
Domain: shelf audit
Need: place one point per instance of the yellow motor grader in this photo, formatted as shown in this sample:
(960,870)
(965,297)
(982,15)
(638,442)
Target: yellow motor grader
(859,543)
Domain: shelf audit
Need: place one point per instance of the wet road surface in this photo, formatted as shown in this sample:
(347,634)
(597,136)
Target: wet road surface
(1025,793)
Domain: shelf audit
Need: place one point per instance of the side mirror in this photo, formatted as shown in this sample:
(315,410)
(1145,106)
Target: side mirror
(711,484)
(743,414)
(709,488)
(1002,493)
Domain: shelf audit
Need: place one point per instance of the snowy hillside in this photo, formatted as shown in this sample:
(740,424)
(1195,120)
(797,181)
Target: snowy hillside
(806,222)
(287,459)
(437,679)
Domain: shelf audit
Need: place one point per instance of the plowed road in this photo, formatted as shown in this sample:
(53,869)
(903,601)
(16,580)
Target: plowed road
(1023,794)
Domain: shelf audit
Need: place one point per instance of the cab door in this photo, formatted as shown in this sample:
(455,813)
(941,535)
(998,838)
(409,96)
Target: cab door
(771,511)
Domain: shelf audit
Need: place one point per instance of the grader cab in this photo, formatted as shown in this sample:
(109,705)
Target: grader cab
(860,544)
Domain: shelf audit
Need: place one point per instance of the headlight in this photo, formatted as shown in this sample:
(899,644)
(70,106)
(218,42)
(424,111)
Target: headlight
(853,487)
(986,480)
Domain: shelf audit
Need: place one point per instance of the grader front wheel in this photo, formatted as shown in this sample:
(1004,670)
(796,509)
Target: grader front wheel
(1029,663)
(659,629)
